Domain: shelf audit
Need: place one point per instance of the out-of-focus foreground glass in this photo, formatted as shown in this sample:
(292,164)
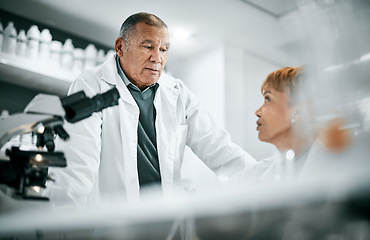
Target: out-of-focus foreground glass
(330,198)
(335,96)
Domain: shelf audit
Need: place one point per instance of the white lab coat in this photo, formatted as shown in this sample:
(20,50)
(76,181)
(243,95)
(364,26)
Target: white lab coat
(102,151)
(305,165)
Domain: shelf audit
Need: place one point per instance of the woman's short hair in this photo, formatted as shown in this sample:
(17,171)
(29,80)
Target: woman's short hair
(285,80)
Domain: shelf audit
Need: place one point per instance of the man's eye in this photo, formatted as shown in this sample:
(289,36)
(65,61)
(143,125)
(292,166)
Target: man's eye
(148,47)
(164,50)
(267,99)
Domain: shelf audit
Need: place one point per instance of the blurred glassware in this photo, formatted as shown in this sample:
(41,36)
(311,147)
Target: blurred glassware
(90,56)
(109,54)
(33,35)
(55,53)
(45,41)
(336,39)
(67,55)
(101,57)
(21,48)
(9,39)
(78,60)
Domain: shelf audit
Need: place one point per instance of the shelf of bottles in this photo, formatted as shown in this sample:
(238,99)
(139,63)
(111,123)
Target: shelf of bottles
(33,59)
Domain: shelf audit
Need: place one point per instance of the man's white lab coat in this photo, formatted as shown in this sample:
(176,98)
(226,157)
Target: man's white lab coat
(102,151)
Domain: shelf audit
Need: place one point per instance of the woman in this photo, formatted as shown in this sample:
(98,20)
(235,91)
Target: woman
(278,120)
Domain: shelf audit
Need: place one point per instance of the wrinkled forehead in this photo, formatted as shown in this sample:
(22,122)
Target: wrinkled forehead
(152,34)
(143,28)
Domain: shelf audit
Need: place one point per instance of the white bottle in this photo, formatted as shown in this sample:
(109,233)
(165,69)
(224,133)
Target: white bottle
(33,35)
(109,54)
(4,114)
(9,39)
(1,35)
(78,60)
(45,40)
(67,55)
(90,56)
(100,58)
(55,53)
(21,48)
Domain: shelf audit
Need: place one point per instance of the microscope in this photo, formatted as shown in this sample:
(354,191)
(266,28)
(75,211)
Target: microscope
(22,169)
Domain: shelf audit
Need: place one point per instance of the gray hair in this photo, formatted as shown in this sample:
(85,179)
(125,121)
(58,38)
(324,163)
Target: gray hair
(128,26)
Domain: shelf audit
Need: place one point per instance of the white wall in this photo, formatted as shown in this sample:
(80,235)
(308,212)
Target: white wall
(204,75)
(245,73)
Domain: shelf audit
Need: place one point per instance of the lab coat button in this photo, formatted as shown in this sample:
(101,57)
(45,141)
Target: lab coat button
(132,117)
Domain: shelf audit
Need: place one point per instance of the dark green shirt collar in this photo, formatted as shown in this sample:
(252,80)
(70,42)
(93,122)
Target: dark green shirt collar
(127,81)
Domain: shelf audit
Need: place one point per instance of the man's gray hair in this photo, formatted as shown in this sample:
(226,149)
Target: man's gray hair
(128,26)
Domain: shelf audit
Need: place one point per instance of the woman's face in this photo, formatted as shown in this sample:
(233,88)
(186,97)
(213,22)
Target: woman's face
(274,117)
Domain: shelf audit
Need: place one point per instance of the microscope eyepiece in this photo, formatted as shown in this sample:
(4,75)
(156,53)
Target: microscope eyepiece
(77,106)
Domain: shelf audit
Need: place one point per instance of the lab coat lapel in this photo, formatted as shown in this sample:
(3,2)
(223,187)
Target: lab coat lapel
(129,117)
(165,103)
(110,75)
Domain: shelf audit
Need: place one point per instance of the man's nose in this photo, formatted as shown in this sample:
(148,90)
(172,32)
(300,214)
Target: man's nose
(156,56)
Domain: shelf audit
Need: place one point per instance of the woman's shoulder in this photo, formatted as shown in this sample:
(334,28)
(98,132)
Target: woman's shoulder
(263,166)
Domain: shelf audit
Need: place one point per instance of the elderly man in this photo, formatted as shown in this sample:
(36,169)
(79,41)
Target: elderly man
(140,142)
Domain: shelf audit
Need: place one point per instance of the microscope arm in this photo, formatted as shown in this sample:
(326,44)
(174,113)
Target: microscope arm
(22,123)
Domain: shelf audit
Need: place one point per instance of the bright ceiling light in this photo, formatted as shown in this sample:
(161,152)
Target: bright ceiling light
(365,57)
(333,68)
(181,34)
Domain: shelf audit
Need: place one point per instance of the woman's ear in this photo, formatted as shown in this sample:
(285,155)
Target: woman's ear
(296,113)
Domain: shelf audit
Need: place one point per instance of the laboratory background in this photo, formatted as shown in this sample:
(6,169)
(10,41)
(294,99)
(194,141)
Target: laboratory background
(222,50)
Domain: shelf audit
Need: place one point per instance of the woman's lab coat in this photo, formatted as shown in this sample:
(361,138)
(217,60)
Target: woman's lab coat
(304,165)
(102,151)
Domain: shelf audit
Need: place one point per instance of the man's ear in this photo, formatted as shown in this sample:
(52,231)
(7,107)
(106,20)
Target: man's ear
(118,46)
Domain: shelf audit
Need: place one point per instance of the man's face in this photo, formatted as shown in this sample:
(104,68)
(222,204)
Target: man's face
(146,55)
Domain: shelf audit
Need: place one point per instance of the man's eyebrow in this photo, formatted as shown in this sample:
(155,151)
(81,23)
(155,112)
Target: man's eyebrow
(266,93)
(146,41)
